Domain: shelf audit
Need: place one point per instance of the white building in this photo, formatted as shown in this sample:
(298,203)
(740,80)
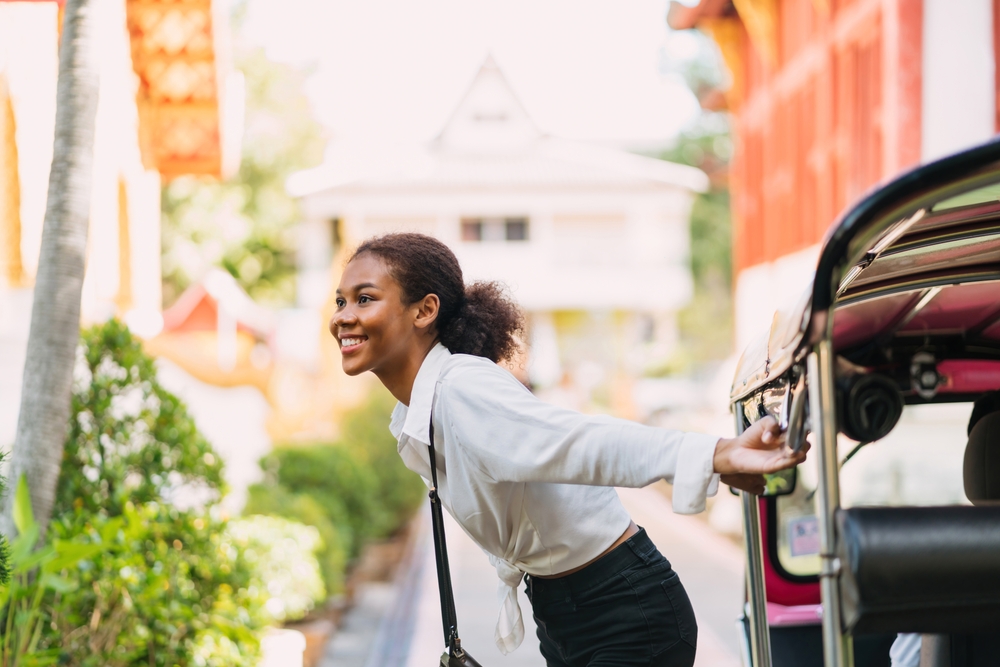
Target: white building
(592,241)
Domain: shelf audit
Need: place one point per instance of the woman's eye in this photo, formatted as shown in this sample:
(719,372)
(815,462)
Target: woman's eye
(364,299)
(341,303)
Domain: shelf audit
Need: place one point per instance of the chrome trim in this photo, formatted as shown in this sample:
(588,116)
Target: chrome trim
(744,640)
(936,237)
(894,233)
(925,299)
(852,273)
(923,282)
(852,235)
(837,648)
(897,231)
(760,637)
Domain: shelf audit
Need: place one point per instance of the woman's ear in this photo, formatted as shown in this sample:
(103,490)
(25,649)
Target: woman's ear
(427,311)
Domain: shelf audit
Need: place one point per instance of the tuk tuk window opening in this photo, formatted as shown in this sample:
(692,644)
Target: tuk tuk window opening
(919,463)
(793,535)
(798,569)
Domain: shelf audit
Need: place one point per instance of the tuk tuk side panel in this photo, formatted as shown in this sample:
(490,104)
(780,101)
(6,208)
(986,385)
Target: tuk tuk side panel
(780,589)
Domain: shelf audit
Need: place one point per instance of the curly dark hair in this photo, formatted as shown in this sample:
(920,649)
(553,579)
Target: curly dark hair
(479,319)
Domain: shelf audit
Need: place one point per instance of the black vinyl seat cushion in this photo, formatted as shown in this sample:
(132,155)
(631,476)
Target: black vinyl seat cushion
(920,569)
(981,466)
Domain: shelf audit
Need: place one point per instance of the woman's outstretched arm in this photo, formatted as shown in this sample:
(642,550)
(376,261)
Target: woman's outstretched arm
(513,436)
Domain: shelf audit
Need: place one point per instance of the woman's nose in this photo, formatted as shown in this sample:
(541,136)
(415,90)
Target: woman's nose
(343,318)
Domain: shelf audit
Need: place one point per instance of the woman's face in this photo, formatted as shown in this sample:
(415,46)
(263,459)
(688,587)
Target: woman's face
(374,327)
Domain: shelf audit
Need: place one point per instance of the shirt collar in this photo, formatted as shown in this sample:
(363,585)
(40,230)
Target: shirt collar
(414,420)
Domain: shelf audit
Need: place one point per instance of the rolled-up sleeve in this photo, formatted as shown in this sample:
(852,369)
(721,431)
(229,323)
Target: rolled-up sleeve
(694,478)
(512,436)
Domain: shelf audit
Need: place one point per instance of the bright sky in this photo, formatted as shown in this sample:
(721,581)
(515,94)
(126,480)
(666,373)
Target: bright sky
(395,69)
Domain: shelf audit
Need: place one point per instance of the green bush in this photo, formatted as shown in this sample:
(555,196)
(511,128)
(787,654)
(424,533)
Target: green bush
(283,556)
(335,541)
(5,564)
(166,587)
(352,491)
(37,570)
(130,440)
(338,480)
(365,431)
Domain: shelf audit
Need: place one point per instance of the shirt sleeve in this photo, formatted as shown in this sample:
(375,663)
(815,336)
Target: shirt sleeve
(512,436)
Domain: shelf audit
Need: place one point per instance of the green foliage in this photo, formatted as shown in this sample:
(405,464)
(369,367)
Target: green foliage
(130,440)
(351,491)
(336,538)
(707,146)
(283,556)
(706,324)
(365,431)
(339,481)
(244,224)
(166,586)
(5,564)
(692,56)
(711,238)
(127,579)
(37,575)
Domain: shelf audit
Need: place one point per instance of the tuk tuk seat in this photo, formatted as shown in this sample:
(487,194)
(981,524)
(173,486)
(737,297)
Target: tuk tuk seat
(981,467)
(928,569)
(920,569)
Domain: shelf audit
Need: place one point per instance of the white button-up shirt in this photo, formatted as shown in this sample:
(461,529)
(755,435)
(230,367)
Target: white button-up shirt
(531,483)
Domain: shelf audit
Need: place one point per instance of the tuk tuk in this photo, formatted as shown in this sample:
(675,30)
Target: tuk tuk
(891,528)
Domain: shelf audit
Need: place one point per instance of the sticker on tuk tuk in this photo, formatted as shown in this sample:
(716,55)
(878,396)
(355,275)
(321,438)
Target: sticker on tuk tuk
(803,536)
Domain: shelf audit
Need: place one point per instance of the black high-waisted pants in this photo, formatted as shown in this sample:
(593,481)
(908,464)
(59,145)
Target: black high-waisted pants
(627,608)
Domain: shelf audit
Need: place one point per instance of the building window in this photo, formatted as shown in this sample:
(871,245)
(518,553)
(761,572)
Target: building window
(516,229)
(494,229)
(472,229)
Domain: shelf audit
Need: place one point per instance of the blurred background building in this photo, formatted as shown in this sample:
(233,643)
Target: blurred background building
(592,241)
(829,98)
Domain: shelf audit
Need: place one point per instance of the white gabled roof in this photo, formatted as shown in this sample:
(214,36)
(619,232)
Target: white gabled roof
(489,118)
(489,142)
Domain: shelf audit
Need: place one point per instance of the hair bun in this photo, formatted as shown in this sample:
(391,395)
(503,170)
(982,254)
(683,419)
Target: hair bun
(487,324)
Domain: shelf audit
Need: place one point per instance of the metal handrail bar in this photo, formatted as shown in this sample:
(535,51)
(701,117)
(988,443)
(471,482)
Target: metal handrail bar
(760,638)
(837,647)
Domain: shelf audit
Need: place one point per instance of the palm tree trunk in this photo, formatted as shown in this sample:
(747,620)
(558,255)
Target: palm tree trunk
(55,315)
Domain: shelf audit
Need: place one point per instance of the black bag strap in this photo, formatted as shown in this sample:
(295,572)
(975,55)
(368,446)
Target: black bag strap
(449,616)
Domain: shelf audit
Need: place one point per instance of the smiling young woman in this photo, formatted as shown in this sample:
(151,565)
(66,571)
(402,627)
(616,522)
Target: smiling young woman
(532,483)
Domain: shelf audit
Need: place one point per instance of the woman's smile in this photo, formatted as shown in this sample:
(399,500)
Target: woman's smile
(350,344)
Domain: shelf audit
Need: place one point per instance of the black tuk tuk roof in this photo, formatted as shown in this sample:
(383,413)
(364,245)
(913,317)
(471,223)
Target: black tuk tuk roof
(917,259)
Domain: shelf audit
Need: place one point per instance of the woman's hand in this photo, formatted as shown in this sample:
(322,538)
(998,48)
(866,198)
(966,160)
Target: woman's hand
(758,450)
(754,484)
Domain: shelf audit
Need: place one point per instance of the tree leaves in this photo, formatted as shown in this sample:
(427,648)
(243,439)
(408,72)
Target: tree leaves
(244,225)
(130,439)
(23,517)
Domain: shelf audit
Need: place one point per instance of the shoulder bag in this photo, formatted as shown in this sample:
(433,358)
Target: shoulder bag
(455,655)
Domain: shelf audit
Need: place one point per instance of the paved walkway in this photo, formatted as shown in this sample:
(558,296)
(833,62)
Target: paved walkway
(399,625)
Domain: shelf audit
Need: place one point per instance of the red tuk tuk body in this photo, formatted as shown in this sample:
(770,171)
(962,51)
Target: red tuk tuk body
(902,318)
